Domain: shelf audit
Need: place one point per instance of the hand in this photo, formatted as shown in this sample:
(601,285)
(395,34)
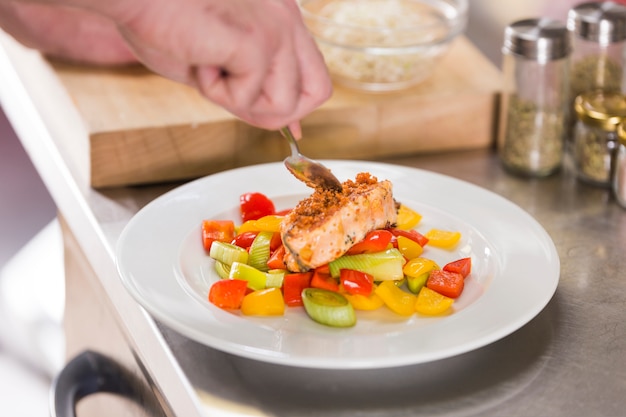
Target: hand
(255,58)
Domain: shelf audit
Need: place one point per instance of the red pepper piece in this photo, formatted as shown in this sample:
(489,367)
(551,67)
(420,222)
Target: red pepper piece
(293,284)
(446,283)
(324,281)
(244,240)
(228,293)
(374,241)
(253,206)
(356,282)
(462,266)
(277,259)
(221,230)
(411,234)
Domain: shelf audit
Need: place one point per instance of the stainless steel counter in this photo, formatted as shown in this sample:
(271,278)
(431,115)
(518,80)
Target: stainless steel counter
(568,361)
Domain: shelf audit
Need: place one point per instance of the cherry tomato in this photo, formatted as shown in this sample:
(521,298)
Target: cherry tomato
(253,206)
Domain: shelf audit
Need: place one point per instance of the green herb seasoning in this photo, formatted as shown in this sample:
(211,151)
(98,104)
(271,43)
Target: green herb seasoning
(534,111)
(599,114)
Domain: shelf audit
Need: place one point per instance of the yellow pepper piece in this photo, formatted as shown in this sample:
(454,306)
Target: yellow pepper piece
(432,303)
(267,302)
(443,238)
(409,248)
(407,218)
(362,302)
(398,300)
(269,223)
(418,266)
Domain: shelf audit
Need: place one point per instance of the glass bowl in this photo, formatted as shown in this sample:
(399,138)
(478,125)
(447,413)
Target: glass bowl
(383,45)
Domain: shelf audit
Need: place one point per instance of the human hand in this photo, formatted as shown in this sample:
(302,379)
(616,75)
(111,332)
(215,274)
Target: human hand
(255,58)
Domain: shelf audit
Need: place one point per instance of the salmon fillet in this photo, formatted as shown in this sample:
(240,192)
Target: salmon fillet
(324,226)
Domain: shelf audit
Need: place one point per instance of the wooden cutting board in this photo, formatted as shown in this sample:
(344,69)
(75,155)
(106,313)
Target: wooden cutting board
(143,128)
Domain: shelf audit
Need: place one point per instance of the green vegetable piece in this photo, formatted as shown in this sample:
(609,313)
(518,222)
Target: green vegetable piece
(222,270)
(228,253)
(415,284)
(275,278)
(260,251)
(328,307)
(383,266)
(256,279)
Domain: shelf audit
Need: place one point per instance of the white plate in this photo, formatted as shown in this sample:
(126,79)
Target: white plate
(515,271)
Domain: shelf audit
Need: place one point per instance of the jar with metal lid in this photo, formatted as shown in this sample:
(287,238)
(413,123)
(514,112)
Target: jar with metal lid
(535,107)
(595,137)
(619,167)
(598,40)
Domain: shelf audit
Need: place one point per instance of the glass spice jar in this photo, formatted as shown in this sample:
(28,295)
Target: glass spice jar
(598,41)
(619,167)
(595,136)
(534,112)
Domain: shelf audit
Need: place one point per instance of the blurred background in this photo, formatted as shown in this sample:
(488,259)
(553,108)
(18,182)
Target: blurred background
(31,268)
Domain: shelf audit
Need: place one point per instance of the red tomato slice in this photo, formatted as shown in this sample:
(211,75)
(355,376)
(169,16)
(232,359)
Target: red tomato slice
(253,206)
(374,241)
(244,240)
(446,283)
(411,234)
(356,282)
(212,230)
(462,266)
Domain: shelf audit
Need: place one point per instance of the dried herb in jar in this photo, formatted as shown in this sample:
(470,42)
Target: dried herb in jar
(533,140)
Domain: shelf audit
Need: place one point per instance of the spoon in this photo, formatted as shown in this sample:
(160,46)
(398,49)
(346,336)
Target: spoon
(311,172)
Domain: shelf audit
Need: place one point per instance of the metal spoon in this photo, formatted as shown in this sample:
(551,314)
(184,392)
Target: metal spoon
(311,172)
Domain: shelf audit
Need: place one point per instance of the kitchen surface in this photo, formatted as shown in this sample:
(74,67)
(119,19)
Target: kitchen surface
(566,361)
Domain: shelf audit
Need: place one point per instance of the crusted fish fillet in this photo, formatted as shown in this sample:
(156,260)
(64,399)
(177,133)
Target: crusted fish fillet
(324,226)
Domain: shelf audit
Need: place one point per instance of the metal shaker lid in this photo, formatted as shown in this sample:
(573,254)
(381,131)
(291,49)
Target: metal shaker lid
(540,39)
(602,22)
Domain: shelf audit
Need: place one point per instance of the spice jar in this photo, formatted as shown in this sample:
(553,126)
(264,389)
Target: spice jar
(595,136)
(598,40)
(534,112)
(619,167)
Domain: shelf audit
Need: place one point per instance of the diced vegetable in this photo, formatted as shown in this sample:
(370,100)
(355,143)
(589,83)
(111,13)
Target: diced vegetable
(411,234)
(244,240)
(260,251)
(267,302)
(462,266)
(324,281)
(361,302)
(431,303)
(443,238)
(446,283)
(293,285)
(269,223)
(277,259)
(417,271)
(253,206)
(217,230)
(256,279)
(386,265)
(328,307)
(374,241)
(409,248)
(407,218)
(222,270)
(275,278)
(228,294)
(398,301)
(356,282)
(228,253)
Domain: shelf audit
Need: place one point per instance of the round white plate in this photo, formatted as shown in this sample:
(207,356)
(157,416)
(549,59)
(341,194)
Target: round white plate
(515,271)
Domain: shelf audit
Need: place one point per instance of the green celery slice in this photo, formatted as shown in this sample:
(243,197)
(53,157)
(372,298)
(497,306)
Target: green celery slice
(228,253)
(260,251)
(256,279)
(328,307)
(383,266)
